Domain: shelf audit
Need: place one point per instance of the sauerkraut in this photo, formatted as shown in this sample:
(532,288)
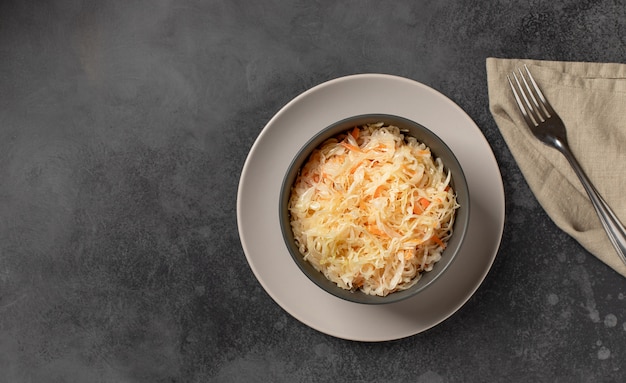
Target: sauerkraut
(372,209)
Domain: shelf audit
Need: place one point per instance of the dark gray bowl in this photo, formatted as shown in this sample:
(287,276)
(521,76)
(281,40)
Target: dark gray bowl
(438,148)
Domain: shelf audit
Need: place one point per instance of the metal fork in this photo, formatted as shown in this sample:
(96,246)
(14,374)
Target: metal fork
(548,127)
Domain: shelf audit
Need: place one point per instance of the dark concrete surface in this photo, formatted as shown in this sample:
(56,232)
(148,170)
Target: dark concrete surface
(124,126)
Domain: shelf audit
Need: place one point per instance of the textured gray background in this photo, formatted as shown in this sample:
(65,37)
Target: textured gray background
(124,126)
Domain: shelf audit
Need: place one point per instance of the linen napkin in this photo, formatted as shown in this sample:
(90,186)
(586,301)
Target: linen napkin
(590,98)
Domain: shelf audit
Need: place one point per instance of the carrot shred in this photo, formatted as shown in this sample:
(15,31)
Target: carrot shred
(420,206)
(439,241)
(382,147)
(376,231)
(379,191)
(355,133)
(351,147)
(424,202)
(417,209)
(355,167)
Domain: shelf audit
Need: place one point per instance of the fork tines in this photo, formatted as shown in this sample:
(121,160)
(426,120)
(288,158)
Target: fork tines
(526,96)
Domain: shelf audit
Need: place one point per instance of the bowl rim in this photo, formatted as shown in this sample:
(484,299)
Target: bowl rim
(332,130)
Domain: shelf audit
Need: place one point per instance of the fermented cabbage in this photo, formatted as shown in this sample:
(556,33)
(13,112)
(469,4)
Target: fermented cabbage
(372,209)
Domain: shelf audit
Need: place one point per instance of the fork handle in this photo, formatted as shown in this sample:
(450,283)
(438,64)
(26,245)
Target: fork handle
(613,227)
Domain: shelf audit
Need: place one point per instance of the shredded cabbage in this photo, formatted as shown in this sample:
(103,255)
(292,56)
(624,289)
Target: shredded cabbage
(372,209)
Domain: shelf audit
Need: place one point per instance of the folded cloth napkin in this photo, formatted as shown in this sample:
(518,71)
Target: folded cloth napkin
(590,98)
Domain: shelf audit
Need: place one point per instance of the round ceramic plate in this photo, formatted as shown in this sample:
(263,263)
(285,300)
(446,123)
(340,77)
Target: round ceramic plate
(259,192)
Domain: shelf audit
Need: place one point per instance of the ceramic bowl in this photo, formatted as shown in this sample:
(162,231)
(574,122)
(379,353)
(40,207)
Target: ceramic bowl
(438,149)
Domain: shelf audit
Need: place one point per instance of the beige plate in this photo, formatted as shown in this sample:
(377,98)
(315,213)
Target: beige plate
(258,202)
